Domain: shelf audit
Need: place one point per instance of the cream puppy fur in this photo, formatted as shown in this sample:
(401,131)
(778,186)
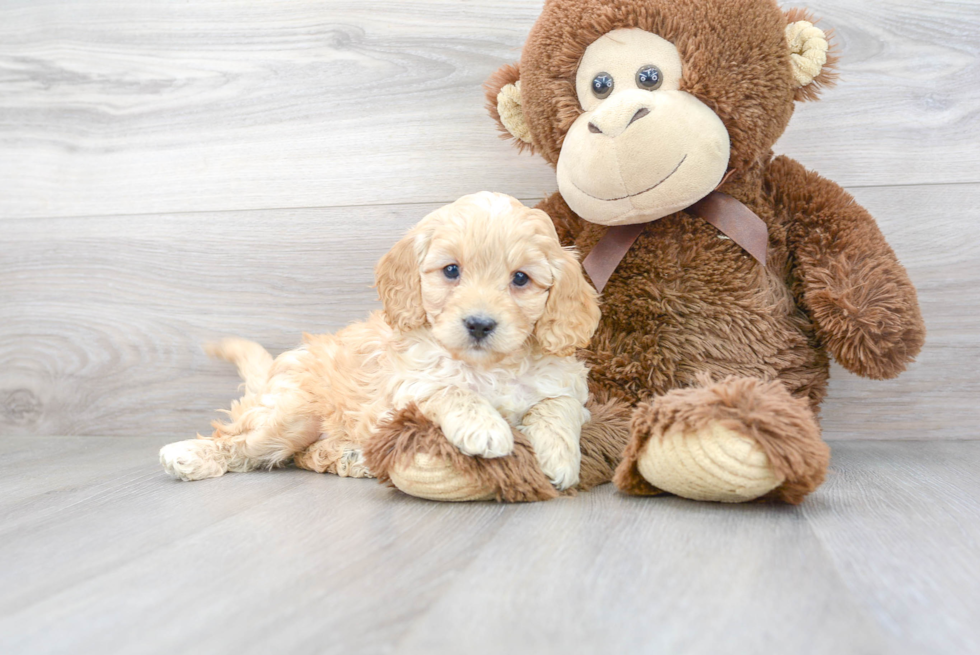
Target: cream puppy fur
(483,312)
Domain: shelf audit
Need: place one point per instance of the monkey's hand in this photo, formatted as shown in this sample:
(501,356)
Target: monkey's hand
(858,294)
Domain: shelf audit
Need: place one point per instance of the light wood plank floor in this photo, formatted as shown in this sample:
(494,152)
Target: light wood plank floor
(111,556)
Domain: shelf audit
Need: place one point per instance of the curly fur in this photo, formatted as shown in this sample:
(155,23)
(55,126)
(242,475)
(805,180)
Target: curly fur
(321,403)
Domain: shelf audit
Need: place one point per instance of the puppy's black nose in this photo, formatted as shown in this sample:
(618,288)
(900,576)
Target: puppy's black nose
(479,327)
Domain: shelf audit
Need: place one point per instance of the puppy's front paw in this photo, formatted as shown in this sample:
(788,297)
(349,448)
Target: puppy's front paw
(193,459)
(558,460)
(563,474)
(556,446)
(481,435)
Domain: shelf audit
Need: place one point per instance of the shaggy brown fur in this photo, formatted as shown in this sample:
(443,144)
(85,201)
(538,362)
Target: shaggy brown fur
(603,439)
(685,306)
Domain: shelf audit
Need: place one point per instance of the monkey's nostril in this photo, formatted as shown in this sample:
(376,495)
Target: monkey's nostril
(594,128)
(479,327)
(640,113)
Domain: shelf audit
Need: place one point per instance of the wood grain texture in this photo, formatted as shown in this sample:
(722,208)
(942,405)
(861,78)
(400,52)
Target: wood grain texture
(616,575)
(105,317)
(906,106)
(907,514)
(110,555)
(111,107)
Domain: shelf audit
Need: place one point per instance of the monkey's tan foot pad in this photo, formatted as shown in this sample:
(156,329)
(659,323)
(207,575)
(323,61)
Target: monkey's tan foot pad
(730,441)
(411,453)
(713,463)
(434,478)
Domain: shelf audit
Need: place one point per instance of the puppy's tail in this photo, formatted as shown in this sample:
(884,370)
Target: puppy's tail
(253,361)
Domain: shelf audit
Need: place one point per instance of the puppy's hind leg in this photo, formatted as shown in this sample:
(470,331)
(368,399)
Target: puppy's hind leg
(337,456)
(266,428)
(194,459)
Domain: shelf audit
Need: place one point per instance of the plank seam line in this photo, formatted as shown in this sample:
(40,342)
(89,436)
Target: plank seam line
(394,204)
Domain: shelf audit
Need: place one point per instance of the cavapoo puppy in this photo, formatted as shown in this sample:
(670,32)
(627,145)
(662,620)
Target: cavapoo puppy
(483,312)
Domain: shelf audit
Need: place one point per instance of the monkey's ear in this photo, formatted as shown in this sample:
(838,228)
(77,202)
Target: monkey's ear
(811,52)
(503,91)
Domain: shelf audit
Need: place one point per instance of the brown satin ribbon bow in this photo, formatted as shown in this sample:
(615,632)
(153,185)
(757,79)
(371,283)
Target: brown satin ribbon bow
(730,216)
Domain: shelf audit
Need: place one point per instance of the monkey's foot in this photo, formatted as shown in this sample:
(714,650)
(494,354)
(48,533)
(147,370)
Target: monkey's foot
(434,478)
(732,441)
(411,453)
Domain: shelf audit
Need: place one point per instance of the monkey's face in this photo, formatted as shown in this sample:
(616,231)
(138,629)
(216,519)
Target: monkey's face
(642,148)
(644,106)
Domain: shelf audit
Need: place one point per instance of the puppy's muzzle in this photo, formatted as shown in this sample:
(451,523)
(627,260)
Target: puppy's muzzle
(479,327)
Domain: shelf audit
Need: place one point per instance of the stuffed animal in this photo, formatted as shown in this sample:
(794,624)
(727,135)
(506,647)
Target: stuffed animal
(729,276)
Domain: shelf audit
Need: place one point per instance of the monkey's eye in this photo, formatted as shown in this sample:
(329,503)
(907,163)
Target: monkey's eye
(602,85)
(520,279)
(649,78)
(451,272)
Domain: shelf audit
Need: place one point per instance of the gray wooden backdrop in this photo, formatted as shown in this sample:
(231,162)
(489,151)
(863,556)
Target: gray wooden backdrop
(172,172)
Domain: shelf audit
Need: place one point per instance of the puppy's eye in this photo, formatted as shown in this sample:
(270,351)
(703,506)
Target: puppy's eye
(520,279)
(602,85)
(649,78)
(451,272)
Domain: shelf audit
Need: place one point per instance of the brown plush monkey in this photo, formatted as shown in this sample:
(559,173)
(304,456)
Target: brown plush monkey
(733,275)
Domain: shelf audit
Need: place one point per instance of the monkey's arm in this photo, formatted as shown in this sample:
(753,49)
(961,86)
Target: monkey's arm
(845,273)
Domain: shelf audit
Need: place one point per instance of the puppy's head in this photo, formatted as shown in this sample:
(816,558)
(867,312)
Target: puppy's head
(487,274)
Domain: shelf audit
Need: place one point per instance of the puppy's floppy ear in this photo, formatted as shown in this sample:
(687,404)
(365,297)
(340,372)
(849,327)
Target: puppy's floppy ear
(503,91)
(399,283)
(811,55)
(571,314)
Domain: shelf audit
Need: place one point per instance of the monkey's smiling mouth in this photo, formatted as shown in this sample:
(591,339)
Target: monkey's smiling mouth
(638,193)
